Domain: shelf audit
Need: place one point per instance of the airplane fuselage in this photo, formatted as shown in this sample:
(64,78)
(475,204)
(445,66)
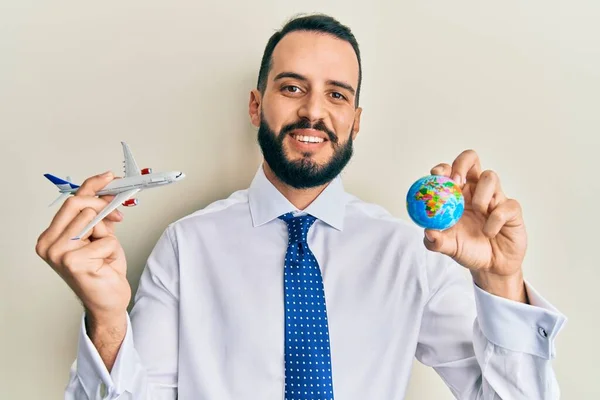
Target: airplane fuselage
(142,182)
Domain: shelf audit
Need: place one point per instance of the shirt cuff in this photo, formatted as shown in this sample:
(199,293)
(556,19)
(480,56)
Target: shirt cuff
(97,382)
(527,328)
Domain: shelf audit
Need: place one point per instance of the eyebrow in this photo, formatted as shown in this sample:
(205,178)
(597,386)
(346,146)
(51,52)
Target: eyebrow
(299,77)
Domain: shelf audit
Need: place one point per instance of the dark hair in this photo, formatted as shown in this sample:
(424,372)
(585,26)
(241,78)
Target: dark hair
(311,23)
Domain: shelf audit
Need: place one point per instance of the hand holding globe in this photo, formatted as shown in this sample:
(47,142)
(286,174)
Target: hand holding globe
(467,216)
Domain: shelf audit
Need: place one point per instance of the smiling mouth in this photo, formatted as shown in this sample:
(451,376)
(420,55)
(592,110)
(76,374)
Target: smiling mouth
(308,139)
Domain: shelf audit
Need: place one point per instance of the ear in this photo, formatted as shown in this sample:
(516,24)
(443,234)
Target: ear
(254,107)
(356,126)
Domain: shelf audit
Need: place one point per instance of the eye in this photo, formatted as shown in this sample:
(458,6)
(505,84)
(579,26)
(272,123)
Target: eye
(338,96)
(291,89)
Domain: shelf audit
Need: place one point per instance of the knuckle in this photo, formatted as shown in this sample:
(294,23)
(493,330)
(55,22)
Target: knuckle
(88,212)
(40,248)
(499,214)
(54,255)
(40,244)
(72,202)
(514,204)
(69,260)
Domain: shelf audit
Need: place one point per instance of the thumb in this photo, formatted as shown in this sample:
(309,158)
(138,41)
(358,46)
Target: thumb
(435,240)
(92,256)
(94,184)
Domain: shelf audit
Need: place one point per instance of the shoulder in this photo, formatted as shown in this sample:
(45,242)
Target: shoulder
(375,216)
(232,207)
(374,223)
(406,238)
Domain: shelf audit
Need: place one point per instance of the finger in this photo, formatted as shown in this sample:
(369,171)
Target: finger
(63,243)
(81,221)
(442,169)
(488,193)
(94,184)
(466,167)
(439,241)
(115,215)
(110,225)
(505,214)
(91,257)
(70,208)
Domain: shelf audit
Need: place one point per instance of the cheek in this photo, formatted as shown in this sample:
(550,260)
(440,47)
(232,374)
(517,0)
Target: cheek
(343,121)
(277,112)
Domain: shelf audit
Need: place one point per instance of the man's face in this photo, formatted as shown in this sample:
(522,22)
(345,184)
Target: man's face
(306,116)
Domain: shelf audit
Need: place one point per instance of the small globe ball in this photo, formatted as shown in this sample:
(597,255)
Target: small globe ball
(435,202)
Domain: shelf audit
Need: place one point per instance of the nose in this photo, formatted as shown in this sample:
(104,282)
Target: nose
(312,108)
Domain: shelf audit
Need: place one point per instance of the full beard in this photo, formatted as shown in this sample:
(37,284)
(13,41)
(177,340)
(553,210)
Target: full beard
(304,173)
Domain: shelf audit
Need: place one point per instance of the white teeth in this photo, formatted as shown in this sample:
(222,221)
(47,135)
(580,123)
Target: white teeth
(309,139)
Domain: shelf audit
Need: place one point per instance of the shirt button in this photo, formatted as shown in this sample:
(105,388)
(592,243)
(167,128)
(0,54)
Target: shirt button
(103,390)
(542,332)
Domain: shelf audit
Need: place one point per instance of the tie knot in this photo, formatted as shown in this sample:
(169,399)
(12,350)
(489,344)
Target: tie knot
(298,226)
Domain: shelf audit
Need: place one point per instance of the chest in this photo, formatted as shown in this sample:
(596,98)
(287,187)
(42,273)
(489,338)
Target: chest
(232,312)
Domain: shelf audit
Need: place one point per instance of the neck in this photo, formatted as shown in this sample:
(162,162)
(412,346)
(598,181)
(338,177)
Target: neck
(300,198)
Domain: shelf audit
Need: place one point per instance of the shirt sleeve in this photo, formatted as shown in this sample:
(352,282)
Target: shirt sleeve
(484,346)
(143,369)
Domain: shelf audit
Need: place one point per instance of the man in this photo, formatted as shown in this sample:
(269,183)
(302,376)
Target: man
(296,289)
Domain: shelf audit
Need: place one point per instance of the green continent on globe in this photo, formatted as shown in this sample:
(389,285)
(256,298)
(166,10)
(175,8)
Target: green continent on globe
(435,194)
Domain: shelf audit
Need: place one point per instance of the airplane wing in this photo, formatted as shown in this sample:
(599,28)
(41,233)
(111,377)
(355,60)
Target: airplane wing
(131,167)
(119,198)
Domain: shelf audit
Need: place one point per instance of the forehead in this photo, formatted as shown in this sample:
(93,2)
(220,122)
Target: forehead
(316,56)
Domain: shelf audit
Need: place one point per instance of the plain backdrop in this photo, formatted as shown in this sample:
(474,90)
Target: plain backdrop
(516,81)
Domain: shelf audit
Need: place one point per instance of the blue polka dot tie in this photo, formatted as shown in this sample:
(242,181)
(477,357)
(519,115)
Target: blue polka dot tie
(307,354)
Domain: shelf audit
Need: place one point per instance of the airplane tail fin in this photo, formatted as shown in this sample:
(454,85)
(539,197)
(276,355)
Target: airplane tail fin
(64,186)
(60,183)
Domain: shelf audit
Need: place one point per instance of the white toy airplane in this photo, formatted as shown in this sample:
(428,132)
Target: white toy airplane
(123,189)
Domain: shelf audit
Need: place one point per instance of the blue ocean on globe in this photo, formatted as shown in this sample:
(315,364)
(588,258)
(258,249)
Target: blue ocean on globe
(435,202)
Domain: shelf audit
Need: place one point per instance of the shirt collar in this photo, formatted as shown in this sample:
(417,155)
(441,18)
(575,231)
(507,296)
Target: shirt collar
(267,203)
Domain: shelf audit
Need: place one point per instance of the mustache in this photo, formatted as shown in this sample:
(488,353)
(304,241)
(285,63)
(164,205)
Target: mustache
(305,124)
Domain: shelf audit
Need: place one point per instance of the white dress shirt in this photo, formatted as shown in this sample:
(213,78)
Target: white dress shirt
(208,318)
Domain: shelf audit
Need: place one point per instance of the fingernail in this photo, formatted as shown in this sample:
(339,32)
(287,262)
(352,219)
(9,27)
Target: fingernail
(456,178)
(119,213)
(429,237)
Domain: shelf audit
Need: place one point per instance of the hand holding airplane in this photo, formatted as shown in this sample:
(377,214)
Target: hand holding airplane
(95,267)
(134,181)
